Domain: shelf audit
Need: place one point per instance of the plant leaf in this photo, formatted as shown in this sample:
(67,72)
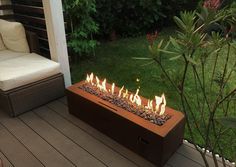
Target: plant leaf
(166,51)
(149,63)
(180,23)
(141,58)
(174,43)
(175,58)
(229,122)
(160,44)
(191,60)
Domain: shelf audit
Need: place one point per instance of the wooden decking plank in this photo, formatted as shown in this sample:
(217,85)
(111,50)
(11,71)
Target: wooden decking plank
(95,147)
(39,147)
(63,100)
(17,154)
(5,161)
(178,160)
(62,109)
(64,145)
(189,151)
(193,154)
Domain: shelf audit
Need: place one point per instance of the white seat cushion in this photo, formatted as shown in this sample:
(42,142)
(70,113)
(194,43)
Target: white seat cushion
(2,46)
(25,69)
(8,54)
(13,35)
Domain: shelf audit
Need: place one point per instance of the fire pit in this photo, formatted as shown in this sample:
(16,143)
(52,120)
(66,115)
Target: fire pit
(147,127)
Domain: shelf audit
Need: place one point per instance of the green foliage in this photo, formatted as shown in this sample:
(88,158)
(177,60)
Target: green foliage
(172,8)
(135,17)
(128,18)
(215,88)
(126,70)
(229,122)
(82,25)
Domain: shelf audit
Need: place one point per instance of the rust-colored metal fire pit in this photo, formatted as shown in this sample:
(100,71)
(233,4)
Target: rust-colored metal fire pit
(153,142)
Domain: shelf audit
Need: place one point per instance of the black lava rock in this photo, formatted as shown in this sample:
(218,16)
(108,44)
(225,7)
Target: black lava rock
(126,105)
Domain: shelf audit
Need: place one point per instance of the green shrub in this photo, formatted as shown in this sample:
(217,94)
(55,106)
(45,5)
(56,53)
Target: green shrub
(135,17)
(128,18)
(172,8)
(82,26)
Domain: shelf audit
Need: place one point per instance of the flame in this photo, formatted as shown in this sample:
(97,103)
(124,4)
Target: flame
(163,106)
(104,88)
(157,107)
(112,88)
(89,78)
(131,98)
(147,107)
(120,91)
(151,105)
(125,95)
(138,100)
(98,83)
(158,103)
(137,91)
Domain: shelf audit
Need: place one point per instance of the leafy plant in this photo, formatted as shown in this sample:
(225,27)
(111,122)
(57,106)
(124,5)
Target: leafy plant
(128,18)
(82,26)
(171,8)
(199,51)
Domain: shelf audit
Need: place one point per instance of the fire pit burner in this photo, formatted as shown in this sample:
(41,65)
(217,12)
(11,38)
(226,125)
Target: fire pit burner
(147,127)
(127,105)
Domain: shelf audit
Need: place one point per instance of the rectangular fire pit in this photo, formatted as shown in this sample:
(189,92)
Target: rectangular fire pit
(153,142)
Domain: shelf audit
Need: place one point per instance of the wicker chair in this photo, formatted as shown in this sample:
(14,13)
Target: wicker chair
(24,98)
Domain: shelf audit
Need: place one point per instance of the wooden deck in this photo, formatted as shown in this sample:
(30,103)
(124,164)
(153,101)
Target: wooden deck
(50,136)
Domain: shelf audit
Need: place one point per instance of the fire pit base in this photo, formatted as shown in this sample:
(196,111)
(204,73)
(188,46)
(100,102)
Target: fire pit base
(153,142)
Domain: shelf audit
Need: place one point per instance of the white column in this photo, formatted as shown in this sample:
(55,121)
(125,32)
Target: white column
(5,12)
(56,35)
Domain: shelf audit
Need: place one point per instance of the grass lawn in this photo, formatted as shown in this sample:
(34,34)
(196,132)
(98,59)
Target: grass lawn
(114,61)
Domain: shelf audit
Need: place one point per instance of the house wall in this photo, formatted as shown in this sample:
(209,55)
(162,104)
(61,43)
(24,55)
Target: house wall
(31,14)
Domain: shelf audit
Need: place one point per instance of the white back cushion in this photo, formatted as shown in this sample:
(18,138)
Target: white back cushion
(2,46)
(13,35)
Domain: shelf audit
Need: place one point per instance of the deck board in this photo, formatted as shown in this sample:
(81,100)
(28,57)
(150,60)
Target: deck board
(98,149)
(15,151)
(5,161)
(62,110)
(189,151)
(74,153)
(50,136)
(39,147)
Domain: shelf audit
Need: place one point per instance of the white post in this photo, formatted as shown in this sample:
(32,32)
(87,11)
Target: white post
(5,12)
(56,36)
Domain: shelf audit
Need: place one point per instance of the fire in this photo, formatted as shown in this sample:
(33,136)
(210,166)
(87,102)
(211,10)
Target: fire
(157,106)
(125,95)
(158,103)
(104,88)
(120,91)
(163,106)
(89,78)
(112,88)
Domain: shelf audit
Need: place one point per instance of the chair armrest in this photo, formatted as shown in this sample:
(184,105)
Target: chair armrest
(33,42)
